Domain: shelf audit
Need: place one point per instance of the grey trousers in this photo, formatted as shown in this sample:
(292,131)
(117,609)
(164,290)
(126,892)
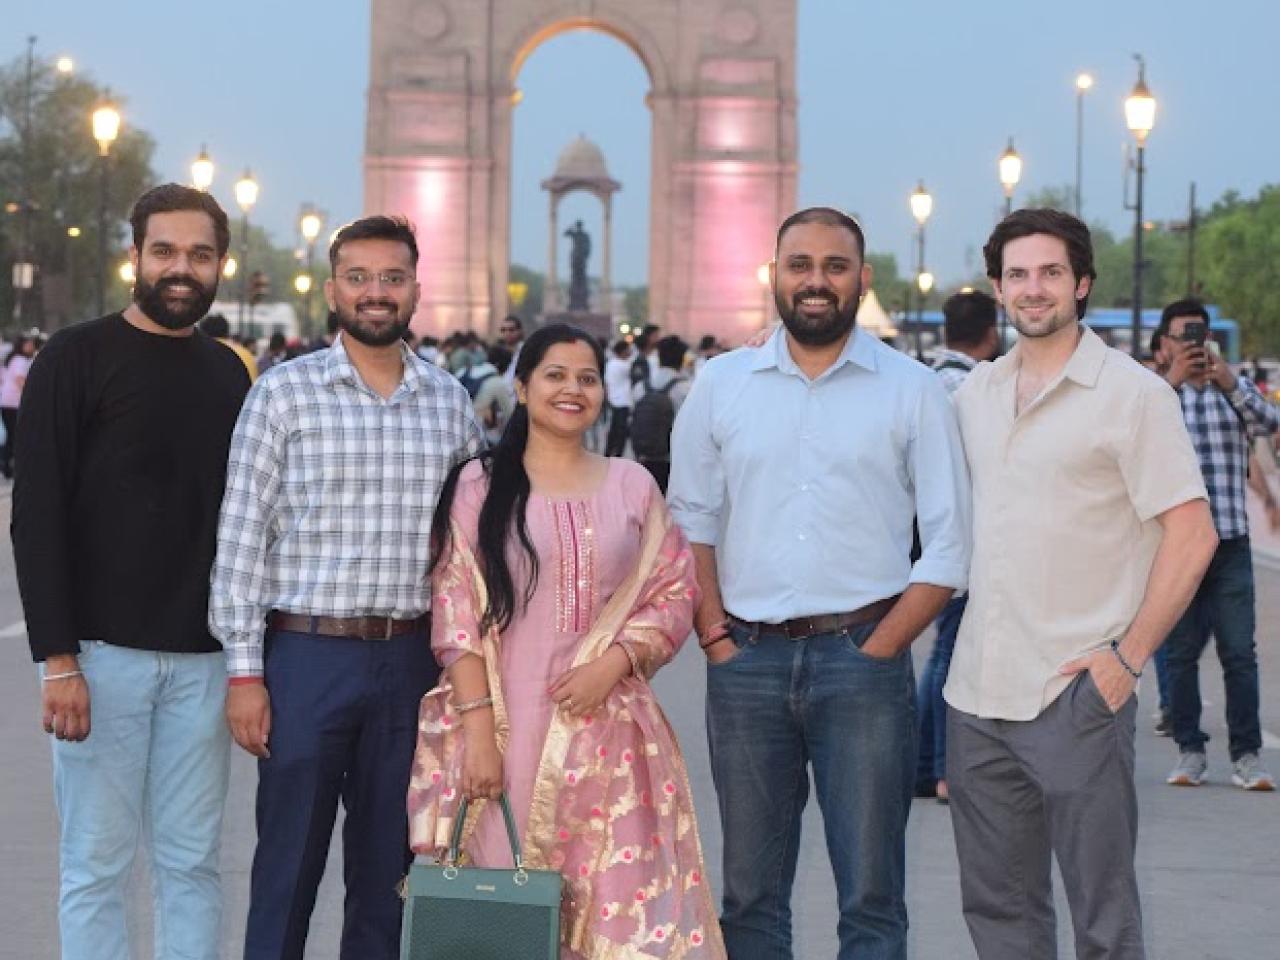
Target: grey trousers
(1062,785)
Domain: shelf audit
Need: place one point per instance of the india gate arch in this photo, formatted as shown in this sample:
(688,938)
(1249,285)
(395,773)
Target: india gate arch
(438,145)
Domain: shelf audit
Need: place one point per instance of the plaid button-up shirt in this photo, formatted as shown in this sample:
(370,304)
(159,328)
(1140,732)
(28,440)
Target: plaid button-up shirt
(953,367)
(1221,424)
(330,494)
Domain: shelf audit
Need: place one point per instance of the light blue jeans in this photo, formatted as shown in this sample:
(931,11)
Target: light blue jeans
(156,756)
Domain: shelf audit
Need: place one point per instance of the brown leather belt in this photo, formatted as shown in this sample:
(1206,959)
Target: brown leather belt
(357,628)
(801,628)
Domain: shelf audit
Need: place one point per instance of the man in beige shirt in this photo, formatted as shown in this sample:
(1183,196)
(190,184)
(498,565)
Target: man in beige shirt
(1091,532)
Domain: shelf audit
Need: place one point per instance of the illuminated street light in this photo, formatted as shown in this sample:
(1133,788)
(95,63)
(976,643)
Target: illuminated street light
(1140,115)
(1084,83)
(1010,174)
(106,128)
(921,207)
(64,65)
(229,268)
(302,283)
(246,191)
(73,232)
(921,204)
(127,273)
(202,170)
(925,282)
(309,225)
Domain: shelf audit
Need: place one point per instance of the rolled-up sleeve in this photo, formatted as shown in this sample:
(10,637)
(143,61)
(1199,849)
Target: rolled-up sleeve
(944,508)
(237,604)
(696,491)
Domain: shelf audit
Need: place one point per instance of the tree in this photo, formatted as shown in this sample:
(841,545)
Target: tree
(57,162)
(1239,253)
(635,302)
(534,283)
(893,291)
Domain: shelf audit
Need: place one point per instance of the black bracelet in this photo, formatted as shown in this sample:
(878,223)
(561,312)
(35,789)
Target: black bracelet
(1115,648)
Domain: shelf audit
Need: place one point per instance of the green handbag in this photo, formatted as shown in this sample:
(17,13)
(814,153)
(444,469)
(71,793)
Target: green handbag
(454,912)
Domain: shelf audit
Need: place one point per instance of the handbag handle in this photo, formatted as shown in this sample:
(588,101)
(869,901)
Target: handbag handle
(456,841)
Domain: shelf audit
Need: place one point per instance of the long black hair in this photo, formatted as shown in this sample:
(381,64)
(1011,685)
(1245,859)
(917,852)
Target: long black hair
(507,498)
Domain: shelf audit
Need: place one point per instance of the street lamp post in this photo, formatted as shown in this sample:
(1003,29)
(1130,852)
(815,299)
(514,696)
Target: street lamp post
(106,128)
(246,190)
(921,208)
(310,224)
(1010,173)
(1140,115)
(1084,81)
(202,170)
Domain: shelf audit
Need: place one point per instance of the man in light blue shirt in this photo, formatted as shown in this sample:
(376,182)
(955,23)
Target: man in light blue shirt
(798,469)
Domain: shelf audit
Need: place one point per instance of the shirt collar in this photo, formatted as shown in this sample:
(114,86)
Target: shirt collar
(858,350)
(954,356)
(338,367)
(1084,367)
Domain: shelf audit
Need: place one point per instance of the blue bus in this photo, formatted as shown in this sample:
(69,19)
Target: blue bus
(1113,324)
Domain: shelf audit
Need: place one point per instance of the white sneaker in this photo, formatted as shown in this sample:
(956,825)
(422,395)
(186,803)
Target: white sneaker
(1247,774)
(1190,769)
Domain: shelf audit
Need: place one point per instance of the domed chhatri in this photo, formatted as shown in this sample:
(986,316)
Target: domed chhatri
(581,166)
(581,160)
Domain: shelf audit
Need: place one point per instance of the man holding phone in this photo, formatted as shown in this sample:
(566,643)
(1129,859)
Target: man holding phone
(1223,412)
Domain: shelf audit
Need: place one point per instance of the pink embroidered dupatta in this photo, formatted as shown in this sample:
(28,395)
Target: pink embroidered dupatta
(611,807)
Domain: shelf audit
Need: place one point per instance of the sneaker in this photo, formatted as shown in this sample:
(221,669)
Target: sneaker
(1248,775)
(1164,724)
(1190,769)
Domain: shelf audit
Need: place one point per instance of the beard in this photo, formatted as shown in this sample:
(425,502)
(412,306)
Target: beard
(826,328)
(1045,325)
(371,333)
(151,300)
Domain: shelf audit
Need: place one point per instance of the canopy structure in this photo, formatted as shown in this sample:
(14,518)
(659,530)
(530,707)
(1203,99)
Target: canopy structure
(873,319)
(581,167)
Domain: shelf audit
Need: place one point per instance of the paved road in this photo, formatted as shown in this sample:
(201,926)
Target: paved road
(1207,857)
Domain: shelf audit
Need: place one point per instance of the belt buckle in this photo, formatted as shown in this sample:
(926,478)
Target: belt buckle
(800,633)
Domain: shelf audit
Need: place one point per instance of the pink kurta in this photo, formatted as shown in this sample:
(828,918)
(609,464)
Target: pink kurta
(611,810)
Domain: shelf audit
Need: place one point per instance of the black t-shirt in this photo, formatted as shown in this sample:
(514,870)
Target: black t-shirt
(121,460)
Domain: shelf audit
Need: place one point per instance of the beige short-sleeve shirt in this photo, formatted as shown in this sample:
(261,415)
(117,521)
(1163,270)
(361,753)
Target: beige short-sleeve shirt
(1065,498)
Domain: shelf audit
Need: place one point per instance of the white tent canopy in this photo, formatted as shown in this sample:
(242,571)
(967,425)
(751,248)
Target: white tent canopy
(873,319)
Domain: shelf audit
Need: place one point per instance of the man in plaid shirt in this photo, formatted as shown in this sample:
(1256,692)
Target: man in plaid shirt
(1222,412)
(320,594)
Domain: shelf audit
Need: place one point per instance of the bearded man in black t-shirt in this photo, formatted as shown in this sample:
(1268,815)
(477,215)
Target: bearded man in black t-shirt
(128,421)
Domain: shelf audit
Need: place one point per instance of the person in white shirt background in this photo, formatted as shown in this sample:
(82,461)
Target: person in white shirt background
(13,376)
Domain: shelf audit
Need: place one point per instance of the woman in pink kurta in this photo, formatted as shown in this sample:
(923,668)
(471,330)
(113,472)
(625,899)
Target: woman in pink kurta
(599,792)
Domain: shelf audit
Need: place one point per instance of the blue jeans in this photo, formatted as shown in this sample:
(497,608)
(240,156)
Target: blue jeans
(1223,606)
(157,752)
(931,761)
(773,709)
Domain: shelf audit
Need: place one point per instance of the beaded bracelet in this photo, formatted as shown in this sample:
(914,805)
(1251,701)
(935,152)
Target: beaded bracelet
(473,704)
(1115,648)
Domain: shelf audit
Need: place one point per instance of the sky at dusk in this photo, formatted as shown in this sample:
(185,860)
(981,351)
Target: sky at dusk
(890,92)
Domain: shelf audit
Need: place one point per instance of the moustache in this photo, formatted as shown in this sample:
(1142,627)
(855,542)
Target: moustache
(166,283)
(811,294)
(377,304)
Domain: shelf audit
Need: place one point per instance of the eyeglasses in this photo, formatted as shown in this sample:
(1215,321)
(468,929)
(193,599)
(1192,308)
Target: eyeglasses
(362,278)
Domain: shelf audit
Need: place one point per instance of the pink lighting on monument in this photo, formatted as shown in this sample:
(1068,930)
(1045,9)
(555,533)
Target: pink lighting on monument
(734,219)
(433,198)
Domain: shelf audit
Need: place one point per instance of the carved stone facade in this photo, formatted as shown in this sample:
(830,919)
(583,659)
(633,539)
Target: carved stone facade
(438,145)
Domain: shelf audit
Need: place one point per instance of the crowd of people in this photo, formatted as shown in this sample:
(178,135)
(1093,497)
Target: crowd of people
(406,574)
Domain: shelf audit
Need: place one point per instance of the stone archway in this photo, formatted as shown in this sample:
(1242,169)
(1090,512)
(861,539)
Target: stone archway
(438,144)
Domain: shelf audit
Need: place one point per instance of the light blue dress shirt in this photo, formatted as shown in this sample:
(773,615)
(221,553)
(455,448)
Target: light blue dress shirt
(808,488)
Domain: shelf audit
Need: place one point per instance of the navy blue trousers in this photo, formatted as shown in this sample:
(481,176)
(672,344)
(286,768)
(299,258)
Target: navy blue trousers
(343,726)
